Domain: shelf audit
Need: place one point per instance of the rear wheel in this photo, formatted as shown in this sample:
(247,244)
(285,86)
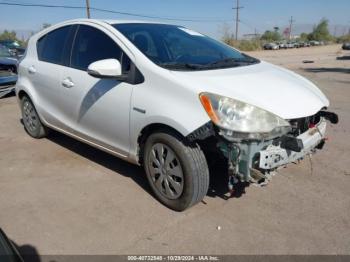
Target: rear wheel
(176,170)
(31,120)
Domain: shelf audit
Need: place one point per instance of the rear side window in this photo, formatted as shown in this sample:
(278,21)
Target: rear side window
(92,45)
(51,47)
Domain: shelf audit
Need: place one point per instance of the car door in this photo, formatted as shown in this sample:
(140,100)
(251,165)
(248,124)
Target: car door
(45,71)
(97,109)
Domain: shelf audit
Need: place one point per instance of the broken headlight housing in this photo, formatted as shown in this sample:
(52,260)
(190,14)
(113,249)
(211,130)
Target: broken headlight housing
(239,120)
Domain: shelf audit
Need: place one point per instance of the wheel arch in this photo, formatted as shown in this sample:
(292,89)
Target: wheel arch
(23,93)
(149,130)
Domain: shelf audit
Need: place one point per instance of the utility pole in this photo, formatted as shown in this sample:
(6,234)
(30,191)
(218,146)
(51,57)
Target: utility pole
(237,8)
(291,21)
(88,9)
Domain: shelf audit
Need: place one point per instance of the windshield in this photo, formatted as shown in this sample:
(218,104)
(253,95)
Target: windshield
(178,48)
(4,52)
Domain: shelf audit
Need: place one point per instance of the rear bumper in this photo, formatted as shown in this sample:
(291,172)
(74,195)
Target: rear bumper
(275,156)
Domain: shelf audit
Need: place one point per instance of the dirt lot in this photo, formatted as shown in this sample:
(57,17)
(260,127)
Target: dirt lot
(58,196)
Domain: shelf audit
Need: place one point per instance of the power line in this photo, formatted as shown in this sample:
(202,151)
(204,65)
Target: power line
(237,8)
(256,31)
(247,24)
(113,12)
(42,5)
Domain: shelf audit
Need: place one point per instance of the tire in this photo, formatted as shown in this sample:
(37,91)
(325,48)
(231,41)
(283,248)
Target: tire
(176,192)
(31,121)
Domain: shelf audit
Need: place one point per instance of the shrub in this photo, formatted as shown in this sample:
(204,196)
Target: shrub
(244,45)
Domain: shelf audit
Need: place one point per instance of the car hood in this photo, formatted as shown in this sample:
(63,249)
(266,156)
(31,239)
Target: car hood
(264,85)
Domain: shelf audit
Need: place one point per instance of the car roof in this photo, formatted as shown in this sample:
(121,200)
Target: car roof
(116,21)
(112,22)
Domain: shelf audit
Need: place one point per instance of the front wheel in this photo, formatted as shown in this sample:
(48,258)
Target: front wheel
(177,170)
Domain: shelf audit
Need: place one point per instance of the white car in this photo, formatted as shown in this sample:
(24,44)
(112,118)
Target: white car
(166,97)
(271,46)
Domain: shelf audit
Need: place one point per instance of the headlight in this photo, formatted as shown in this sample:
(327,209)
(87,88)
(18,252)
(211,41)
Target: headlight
(233,115)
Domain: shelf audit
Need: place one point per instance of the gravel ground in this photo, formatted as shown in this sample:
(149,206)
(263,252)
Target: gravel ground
(59,196)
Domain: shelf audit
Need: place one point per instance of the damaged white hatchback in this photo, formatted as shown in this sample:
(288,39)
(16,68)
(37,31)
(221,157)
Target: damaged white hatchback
(166,97)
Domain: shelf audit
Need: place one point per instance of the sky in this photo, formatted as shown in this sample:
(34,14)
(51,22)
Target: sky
(257,15)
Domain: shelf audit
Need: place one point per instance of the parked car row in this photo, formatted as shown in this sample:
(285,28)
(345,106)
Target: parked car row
(286,45)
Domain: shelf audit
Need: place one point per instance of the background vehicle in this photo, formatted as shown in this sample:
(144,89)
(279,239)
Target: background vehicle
(166,97)
(346,46)
(314,43)
(7,83)
(7,61)
(14,47)
(282,45)
(290,45)
(8,71)
(271,46)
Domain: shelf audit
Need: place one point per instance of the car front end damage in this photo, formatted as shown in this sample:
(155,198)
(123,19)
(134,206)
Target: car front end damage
(257,160)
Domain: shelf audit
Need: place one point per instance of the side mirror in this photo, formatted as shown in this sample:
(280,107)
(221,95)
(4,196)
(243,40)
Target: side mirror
(107,68)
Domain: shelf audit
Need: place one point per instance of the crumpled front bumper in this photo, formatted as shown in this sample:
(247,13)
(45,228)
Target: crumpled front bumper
(275,156)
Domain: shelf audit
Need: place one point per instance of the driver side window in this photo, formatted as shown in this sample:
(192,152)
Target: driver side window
(92,45)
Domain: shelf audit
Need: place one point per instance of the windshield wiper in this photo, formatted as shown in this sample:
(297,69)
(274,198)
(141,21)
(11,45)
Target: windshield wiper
(232,62)
(227,62)
(181,66)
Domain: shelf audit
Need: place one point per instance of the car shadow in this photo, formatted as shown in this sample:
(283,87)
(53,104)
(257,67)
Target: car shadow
(345,57)
(328,69)
(218,169)
(219,177)
(102,158)
(28,252)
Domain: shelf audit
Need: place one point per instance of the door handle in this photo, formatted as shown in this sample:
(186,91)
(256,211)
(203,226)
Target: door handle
(31,70)
(67,83)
